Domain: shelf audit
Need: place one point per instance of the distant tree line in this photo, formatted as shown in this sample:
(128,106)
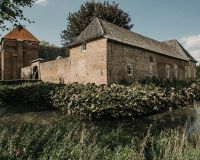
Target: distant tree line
(49,51)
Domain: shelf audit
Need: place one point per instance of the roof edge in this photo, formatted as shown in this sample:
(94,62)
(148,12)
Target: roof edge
(89,40)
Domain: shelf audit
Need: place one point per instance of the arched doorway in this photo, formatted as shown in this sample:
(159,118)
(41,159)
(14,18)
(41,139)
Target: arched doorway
(35,72)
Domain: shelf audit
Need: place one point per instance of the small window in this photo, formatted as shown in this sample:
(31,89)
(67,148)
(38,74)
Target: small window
(176,71)
(167,71)
(195,75)
(151,59)
(186,71)
(189,71)
(83,47)
(151,69)
(129,70)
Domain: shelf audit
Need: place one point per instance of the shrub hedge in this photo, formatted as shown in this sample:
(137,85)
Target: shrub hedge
(33,95)
(17,82)
(118,101)
(102,101)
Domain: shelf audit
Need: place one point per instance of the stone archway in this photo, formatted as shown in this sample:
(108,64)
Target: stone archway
(35,72)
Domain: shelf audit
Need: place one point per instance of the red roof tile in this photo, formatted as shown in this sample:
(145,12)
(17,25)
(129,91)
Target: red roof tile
(22,34)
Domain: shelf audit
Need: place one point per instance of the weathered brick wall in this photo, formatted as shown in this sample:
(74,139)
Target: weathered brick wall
(90,65)
(120,55)
(56,71)
(83,67)
(192,68)
(106,62)
(30,54)
(16,55)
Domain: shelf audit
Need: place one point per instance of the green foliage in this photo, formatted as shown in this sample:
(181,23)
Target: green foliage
(47,44)
(33,95)
(102,101)
(52,52)
(80,19)
(85,140)
(118,101)
(18,82)
(10,11)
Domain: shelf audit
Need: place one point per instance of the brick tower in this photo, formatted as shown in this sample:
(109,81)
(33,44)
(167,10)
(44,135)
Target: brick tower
(18,49)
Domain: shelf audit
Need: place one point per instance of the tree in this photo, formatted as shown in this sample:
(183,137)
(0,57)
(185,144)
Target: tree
(11,12)
(49,51)
(79,20)
(47,44)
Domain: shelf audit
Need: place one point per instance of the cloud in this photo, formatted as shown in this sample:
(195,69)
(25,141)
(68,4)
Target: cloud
(192,44)
(41,2)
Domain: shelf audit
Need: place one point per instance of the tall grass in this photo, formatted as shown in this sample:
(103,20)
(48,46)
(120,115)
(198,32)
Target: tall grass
(82,140)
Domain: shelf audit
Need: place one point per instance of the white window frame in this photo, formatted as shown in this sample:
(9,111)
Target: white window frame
(83,47)
(129,69)
(168,71)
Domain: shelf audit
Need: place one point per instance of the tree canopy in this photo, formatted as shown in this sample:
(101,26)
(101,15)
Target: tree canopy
(80,19)
(11,12)
(49,51)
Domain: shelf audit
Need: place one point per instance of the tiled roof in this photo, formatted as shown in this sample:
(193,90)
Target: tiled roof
(180,49)
(98,28)
(22,34)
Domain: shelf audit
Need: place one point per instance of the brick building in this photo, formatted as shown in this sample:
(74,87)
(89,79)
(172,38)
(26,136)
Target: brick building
(105,53)
(18,49)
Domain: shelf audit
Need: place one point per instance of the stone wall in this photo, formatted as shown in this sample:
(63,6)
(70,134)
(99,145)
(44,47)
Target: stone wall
(90,65)
(56,71)
(82,66)
(105,62)
(144,64)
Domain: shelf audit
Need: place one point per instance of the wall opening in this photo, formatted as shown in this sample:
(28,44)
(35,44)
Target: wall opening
(129,70)
(35,72)
(83,47)
(151,59)
(167,71)
(176,71)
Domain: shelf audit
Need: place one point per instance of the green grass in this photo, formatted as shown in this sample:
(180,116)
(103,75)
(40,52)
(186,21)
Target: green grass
(24,136)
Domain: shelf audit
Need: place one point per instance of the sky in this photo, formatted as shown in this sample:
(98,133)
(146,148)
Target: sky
(157,19)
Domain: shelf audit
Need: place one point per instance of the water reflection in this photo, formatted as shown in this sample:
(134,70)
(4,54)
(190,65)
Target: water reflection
(187,119)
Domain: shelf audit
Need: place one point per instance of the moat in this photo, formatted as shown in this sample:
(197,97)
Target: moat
(187,118)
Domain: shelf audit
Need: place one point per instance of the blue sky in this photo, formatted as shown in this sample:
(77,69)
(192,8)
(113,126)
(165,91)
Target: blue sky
(157,19)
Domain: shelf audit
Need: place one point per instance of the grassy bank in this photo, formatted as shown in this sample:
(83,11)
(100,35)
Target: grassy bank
(103,101)
(56,136)
(75,139)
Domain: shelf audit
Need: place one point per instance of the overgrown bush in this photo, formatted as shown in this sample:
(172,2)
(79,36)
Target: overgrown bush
(18,82)
(34,95)
(118,101)
(102,101)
